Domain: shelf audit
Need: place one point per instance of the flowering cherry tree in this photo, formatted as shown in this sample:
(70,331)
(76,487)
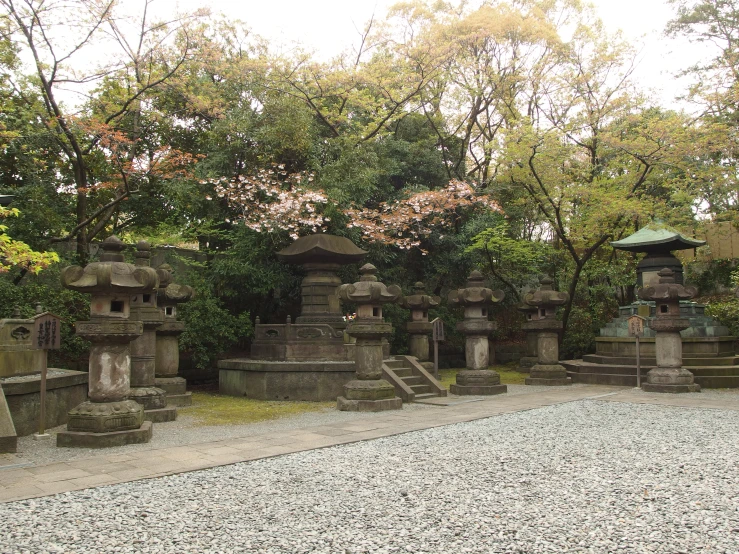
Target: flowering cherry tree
(273,200)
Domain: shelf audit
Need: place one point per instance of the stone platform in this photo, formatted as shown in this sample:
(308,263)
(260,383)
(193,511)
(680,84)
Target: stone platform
(65,389)
(314,381)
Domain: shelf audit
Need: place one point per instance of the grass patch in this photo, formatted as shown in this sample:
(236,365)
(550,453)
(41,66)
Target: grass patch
(508,376)
(216,409)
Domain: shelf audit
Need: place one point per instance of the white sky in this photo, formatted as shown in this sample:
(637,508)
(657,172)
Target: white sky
(330,26)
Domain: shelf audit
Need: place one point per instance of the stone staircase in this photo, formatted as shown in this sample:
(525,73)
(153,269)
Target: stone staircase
(411,380)
(710,372)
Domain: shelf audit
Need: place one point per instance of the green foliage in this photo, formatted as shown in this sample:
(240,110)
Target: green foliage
(210,329)
(710,276)
(727,312)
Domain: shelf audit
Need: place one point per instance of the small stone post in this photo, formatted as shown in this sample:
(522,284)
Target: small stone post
(369,392)
(475,299)
(419,327)
(109,417)
(669,375)
(169,295)
(547,370)
(143,349)
(529,357)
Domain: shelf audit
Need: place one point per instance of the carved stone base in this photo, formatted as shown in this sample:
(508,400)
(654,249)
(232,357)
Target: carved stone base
(553,375)
(78,439)
(477,390)
(106,417)
(374,389)
(525,363)
(670,379)
(346,405)
(151,398)
(161,415)
(179,400)
(171,385)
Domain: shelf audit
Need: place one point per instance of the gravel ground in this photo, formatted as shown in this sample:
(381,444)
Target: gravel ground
(186,430)
(584,476)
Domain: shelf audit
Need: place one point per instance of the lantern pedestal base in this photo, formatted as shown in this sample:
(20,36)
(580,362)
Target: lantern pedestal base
(477,382)
(552,375)
(177,395)
(81,439)
(670,379)
(345,405)
(372,395)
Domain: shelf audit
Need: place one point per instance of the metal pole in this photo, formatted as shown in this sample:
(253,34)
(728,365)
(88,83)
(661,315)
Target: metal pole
(42,416)
(638,363)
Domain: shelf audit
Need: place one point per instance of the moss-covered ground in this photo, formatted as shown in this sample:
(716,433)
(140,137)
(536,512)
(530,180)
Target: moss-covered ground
(215,409)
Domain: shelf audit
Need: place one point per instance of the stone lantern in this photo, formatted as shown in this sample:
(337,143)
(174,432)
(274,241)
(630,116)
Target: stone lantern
(169,295)
(546,300)
(530,355)
(476,299)
(369,392)
(669,375)
(109,417)
(143,349)
(419,327)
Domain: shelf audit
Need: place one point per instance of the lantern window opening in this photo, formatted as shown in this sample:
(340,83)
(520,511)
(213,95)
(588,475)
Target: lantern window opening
(116,306)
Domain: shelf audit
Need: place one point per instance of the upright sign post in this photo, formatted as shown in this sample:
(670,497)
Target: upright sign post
(636,330)
(437,334)
(46,336)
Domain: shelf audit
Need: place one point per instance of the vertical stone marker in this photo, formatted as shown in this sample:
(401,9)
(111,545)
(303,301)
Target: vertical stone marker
(476,299)
(369,392)
(419,327)
(669,375)
(143,349)
(169,295)
(547,370)
(530,356)
(109,417)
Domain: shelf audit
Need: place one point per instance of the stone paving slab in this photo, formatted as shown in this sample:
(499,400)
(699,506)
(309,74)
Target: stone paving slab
(21,482)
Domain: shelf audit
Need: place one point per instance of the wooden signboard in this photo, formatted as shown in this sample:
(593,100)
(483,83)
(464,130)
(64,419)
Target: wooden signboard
(636,330)
(437,335)
(46,331)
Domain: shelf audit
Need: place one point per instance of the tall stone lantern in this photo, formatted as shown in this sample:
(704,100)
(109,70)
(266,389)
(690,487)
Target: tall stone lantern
(169,296)
(143,349)
(109,417)
(669,375)
(546,300)
(419,327)
(530,356)
(369,392)
(476,300)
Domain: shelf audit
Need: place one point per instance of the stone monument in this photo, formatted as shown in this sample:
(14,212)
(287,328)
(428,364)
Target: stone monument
(109,417)
(144,348)
(169,296)
(369,392)
(307,359)
(476,299)
(547,370)
(419,327)
(669,375)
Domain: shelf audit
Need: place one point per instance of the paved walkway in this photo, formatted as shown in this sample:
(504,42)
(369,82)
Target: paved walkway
(18,483)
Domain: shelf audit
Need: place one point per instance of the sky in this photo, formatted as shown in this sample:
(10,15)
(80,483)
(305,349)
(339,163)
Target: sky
(330,26)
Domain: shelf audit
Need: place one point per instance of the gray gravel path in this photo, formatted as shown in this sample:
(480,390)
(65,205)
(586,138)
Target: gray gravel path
(186,430)
(580,477)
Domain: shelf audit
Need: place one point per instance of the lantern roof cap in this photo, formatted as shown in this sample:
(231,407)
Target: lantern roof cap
(322,248)
(655,239)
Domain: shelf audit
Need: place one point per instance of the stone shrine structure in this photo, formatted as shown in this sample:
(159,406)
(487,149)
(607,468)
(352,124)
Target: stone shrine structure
(419,327)
(169,296)
(669,375)
(308,359)
(369,392)
(144,349)
(21,362)
(109,417)
(529,355)
(547,370)
(477,379)
(707,345)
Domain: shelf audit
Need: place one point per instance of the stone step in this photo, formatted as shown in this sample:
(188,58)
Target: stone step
(425,395)
(693,361)
(394,364)
(402,372)
(421,389)
(412,380)
(608,369)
